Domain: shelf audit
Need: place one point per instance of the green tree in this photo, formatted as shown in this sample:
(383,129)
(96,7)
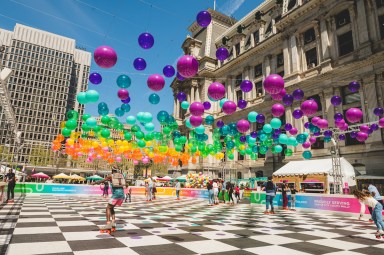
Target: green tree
(141,166)
(5,154)
(41,156)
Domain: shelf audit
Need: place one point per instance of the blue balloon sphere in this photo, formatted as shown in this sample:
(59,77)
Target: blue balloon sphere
(169,71)
(119,112)
(179,77)
(139,64)
(146,41)
(126,101)
(154,98)
(123,81)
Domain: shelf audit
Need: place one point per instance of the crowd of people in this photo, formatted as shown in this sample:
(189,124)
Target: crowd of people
(219,191)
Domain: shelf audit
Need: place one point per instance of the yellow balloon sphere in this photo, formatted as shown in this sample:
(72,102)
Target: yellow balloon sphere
(242,147)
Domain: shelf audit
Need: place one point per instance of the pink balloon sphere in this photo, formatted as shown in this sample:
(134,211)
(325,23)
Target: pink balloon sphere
(306,145)
(243,126)
(293,131)
(145,160)
(196,109)
(216,91)
(312,140)
(118,159)
(89,160)
(315,120)
(155,82)
(273,84)
(309,107)
(354,115)
(361,136)
(344,127)
(278,110)
(195,120)
(98,156)
(229,107)
(340,123)
(105,56)
(364,128)
(322,123)
(187,66)
(381,122)
(123,94)
(135,162)
(279,96)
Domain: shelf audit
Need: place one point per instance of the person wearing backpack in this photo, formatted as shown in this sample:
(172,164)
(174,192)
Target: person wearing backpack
(117,181)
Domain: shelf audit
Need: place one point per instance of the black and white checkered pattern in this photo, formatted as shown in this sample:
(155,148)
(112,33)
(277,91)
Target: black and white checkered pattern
(70,225)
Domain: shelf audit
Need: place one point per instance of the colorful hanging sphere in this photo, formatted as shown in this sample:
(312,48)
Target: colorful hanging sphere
(207,105)
(243,126)
(139,64)
(288,126)
(242,104)
(209,120)
(92,96)
(354,86)
(342,137)
(297,114)
(130,120)
(125,107)
(196,121)
(275,123)
(273,83)
(91,122)
(309,107)
(322,123)
(146,41)
(122,94)
(220,123)
(196,109)
(162,116)
(216,90)
(105,56)
(229,107)
(246,86)
(287,99)
(277,110)
(314,120)
(252,117)
(354,115)
(378,111)
(374,126)
(361,136)
(155,82)
(279,96)
(267,128)
(203,18)
(293,131)
(260,118)
(222,53)
(154,98)
(187,66)
(184,105)
(95,78)
(126,101)
(181,96)
(336,100)
(298,94)
(119,112)
(169,71)
(179,77)
(123,81)
(338,117)
(82,98)
(381,122)
(307,154)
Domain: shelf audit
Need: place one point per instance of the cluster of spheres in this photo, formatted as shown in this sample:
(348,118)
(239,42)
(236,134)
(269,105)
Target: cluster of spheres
(105,138)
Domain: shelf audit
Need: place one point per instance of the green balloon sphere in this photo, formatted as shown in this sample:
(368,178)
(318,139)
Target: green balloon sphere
(105,120)
(66,132)
(105,133)
(71,124)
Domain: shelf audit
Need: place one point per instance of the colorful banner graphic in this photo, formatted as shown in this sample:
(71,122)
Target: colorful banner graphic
(342,203)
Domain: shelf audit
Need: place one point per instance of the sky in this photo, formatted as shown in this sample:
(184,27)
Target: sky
(118,23)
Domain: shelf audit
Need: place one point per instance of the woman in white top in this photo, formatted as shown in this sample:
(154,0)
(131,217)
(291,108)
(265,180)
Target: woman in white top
(367,199)
(215,191)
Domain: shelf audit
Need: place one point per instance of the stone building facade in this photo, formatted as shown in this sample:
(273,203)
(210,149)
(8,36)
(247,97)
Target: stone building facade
(319,46)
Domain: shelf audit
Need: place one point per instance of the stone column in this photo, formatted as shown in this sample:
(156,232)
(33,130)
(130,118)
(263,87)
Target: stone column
(324,46)
(262,30)
(174,106)
(370,103)
(294,55)
(231,94)
(267,65)
(318,43)
(246,75)
(355,31)
(332,37)
(252,40)
(372,20)
(192,99)
(361,20)
(252,93)
(287,69)
(328,108)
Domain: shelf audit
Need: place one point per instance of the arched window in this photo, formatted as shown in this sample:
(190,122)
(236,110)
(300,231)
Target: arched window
(291,4)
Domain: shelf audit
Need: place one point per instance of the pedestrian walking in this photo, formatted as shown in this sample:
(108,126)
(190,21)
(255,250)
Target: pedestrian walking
(178,188)
(210,194)
(270,190)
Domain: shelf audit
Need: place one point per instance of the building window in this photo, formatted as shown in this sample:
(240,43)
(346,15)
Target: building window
(381,24)
(278,18)
(258,70)
(280,60)
(269,29)
(319,144)
(239,95)
(239,175)
(291,4)
(259,88)
(256,37)
(311,57)
(342,19)
(350,97)
(237,48)
(345,42)
(248,41)
(238,80)
(282,73)
(309,36)
(240,157)
(379,3)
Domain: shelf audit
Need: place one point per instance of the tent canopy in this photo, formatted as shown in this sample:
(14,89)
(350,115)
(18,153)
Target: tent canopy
(40,175)
(77,177)
(165,178)
(316,166)
(61,176)
(95,178)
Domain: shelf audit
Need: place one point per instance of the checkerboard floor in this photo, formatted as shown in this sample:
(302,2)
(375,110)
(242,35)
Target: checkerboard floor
(70,225)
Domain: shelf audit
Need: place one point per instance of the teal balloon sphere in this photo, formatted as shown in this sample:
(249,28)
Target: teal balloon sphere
(92,96)
(267,128)
(252,116)
(263,137)
(209,120)
(188,124)
(149,127)
(251,140)
(130,120)
(154,98)
(291,141)
(327,139)
(307,154)
(301,138)
(82,98)
(306,134)
(126,107)
(91,122)
(185,105)
(275,123)
(200,130)
(222,101)
(123,81)
(283,139)
(278,148)
(147,117)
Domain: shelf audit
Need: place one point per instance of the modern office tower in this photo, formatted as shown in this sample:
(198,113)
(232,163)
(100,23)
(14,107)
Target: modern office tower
(48,70)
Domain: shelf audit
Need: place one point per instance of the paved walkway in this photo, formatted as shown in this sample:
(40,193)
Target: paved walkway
(69,225)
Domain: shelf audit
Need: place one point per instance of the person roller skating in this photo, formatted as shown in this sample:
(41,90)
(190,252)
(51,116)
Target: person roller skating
(118,183)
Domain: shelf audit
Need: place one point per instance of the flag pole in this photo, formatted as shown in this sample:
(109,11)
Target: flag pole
(214,5)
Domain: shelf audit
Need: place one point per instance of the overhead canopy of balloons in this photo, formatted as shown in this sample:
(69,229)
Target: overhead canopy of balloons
(142,143)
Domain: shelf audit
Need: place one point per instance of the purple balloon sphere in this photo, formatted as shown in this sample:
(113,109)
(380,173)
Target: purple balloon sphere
(277,131)
(277,110)
(328,133)
(260,118)
(306,145)
(243,139)
(353,134)
(196,109)
(220,123)
(105,56)
(353,115)
(203,18)
(361,136)
(196,120)
(341,137)
(354,86)
(288,100)
(298,94)
(246,86)
(253,134)
(336,100)
(216,91)
(374,127)
(381,122)
(306,125)
(179,77)
(338,116)
(309,107)
(123,94)
(126,101)
(181,96)
(378,111)
(169,71)
(243,126)
(207,105)
(146,41)
(139,64)
(312,140)
(317,133)
(297,114)
(273,83)
(242,104)
(293,131)
(187,66)
(287,126)
(155,82)
(229,107)
(95,78)
(222,53)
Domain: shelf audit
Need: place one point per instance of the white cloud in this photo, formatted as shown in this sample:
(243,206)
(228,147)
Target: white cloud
(231,6)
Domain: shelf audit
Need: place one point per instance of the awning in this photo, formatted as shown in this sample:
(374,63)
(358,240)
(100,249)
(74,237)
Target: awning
(369,177)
